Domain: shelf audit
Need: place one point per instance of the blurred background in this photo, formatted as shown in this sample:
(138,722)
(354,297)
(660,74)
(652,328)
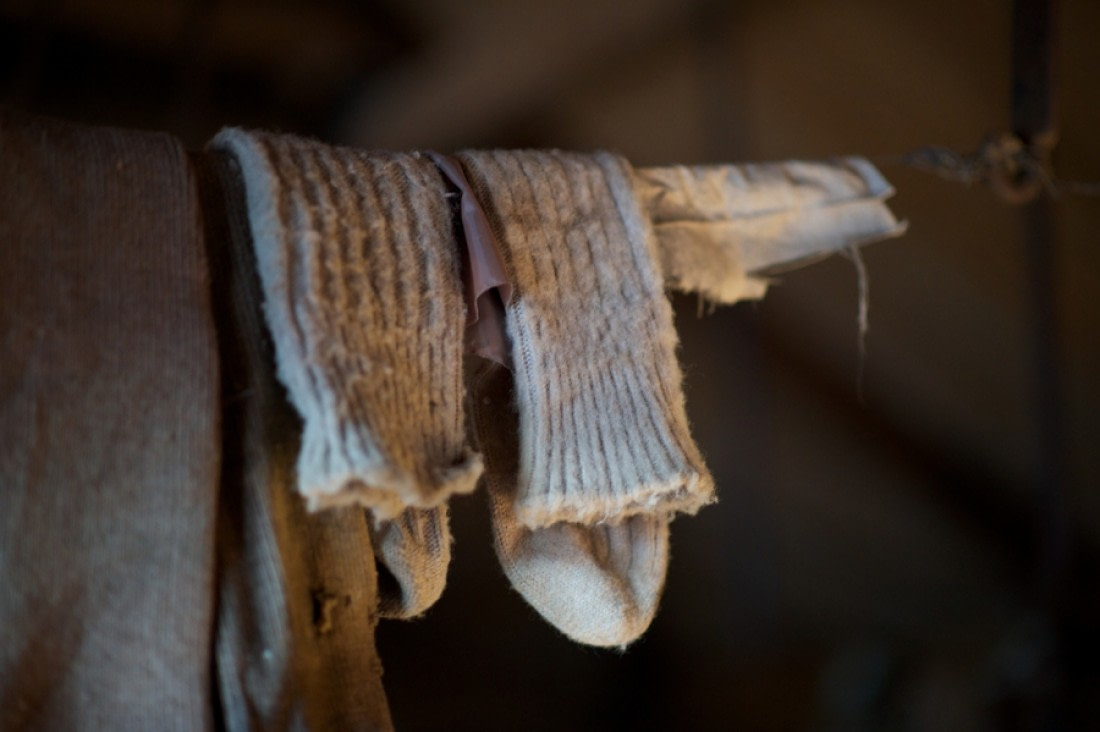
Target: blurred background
(908,543)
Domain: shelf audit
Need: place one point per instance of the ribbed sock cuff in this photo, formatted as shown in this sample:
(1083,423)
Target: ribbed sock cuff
(363,297)
(603,431)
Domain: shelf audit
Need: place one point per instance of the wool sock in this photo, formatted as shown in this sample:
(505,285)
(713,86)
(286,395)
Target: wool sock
(599,584)
(363,296)
(722,229)
(298,593)
(581,500)
(604,433)
(413,552)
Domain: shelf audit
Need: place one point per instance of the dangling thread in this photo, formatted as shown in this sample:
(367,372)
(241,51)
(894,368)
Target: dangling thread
(862,315)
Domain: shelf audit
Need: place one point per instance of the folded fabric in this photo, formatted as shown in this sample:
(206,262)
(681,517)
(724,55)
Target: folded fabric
(721,229)
(109,432)
(363,294)
(582,496)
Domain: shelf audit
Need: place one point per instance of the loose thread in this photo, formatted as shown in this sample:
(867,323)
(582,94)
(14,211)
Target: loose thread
(862,315)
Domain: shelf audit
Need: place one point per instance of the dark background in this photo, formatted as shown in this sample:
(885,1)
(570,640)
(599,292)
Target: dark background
(923,558)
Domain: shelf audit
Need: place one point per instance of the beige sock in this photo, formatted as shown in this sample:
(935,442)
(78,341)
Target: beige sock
(604,433)
(599,584)
(298,595)
(604,456)
(363,296)
(413,553)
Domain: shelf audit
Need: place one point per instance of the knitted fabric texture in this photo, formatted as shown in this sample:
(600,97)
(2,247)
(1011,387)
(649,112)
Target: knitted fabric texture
(413,553)
(363,297)
(297,593)
(722,228)
(599,585)
(603,431)
(109,432)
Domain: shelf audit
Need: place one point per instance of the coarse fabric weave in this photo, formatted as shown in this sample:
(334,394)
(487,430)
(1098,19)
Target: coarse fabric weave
(297,591)
(598,584)
(586,472)
(722,229)
(413,552)
(109,432)
(603,431)
(362,290)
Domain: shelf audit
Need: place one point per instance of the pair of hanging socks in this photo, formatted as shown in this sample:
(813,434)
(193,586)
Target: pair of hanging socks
(603,457)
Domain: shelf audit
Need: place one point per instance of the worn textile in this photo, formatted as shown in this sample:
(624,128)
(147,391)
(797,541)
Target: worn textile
(603,431)
(362,289)
(360,283)
(109,432)
(413,553)
(599,584)
(721,229)
(599,455)
(298,603)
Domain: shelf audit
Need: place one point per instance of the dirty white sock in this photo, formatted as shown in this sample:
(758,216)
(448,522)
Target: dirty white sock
(599,584)
(604,457)
(363,296)
(603,431)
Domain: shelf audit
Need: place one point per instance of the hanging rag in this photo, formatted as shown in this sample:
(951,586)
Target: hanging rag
(485,283)
(723,229)
(121,610)
(109,432)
